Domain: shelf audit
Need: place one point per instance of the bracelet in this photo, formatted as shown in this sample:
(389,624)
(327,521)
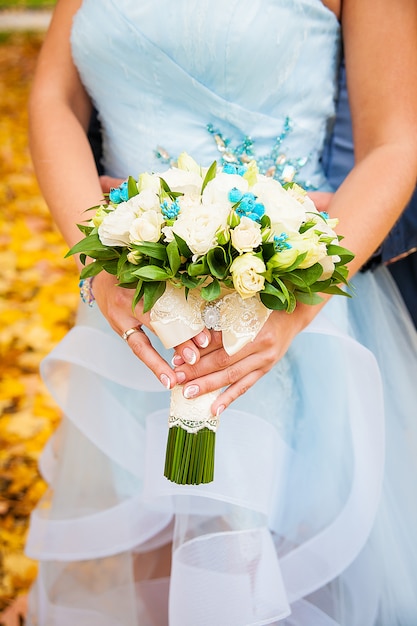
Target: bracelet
(86,291)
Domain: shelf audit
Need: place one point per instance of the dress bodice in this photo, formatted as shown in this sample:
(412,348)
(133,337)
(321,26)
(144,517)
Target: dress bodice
(260,74)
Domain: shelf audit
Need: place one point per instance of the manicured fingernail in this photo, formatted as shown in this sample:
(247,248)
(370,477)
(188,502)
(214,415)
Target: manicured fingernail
(165,380)
(203,341)
(180,377)
(189,356)
(191,391)
(177,360)
(220,410)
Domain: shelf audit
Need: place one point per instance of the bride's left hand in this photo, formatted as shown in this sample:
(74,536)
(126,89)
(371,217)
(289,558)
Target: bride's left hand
(216,369)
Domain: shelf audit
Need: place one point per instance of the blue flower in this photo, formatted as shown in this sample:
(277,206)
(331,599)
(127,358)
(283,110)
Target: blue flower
(280,242)
(235,195)
(231,168)
(170,211)
(248,207)
(119,194)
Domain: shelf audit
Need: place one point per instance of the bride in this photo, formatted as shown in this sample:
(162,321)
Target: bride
(311,518)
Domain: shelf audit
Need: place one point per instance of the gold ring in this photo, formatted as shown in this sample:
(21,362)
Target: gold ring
(130,331)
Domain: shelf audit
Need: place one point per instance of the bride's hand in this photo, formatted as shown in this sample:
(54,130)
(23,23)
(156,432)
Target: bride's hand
(321,199)
(108,182)
(116,305)
(216,369)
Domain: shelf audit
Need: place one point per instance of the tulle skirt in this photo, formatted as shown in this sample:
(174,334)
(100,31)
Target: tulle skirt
(311,519)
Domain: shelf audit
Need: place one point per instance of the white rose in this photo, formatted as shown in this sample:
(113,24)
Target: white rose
(148,200)
(217,190)
(147,227)
(285,212)
(246,273)
(188,204)
(183,181)
(199,227)
(114,229)
(246,236)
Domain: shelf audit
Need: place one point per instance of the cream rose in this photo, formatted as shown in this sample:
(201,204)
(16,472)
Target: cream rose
(148,200)
(147,227)
(217,190)
(285,212)
(115,227)
(199,227)
(183,181)
(246,236)
(246,273)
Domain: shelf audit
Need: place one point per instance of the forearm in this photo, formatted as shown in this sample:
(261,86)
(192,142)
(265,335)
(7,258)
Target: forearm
(367,210)
(64,165)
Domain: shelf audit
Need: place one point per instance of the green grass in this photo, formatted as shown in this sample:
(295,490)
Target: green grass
(26,4)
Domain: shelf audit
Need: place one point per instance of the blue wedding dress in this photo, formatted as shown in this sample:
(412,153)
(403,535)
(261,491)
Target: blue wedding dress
(312,517)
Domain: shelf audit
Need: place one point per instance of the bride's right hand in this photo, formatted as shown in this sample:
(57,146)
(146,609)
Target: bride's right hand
(116,305)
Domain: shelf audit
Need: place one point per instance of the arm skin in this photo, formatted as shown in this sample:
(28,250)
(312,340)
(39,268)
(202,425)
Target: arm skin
(59,114)
(381,61)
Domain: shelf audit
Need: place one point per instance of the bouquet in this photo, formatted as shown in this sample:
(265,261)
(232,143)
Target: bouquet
(219,247)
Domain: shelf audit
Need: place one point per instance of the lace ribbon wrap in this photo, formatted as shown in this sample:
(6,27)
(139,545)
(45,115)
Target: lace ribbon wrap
(176,318)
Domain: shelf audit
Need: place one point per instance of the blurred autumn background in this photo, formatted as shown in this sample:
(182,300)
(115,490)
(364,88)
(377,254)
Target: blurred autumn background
(38,298)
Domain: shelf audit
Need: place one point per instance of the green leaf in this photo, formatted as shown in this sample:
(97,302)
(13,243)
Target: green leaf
(122,261)
(86,230)
(219,262)
(283,287)
(174,259)
(110,267)
(272,290)
(268,251)
(151,273)
(140,287)
(211,173)
(200,268)
(172,194)
(151,293)
(308,275)
(132,188)
(108,254)
(152,250)
(335,290)
(296,278)
(266,222)
(345,254)
(212,291)
(191,282)
(183,248)
(292,303)
(126,275)
(91,243)
(91,270)
(272,302)
(340,275)
(308,298)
